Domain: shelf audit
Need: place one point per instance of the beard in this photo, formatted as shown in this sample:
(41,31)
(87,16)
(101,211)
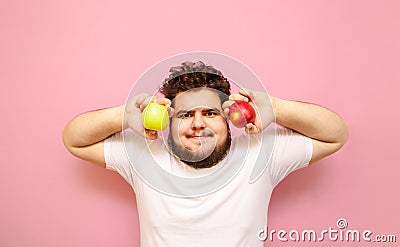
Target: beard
(192,159)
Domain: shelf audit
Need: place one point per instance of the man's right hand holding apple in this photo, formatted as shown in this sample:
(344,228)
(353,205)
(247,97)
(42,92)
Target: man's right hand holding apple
(134,108)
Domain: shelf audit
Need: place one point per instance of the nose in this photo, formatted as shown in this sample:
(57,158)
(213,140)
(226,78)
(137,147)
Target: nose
(198,121)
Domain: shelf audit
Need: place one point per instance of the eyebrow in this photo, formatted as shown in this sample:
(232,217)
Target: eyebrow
(205,110)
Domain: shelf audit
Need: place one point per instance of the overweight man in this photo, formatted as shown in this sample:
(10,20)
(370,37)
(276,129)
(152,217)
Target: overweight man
(200,145)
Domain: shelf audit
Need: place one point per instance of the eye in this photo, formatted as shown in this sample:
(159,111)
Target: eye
(187,115)
(211,114)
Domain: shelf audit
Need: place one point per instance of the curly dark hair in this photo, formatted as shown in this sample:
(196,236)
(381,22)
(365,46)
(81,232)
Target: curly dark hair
(190,75)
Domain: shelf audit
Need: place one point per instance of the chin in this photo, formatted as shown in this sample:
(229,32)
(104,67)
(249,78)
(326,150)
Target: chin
(204,156)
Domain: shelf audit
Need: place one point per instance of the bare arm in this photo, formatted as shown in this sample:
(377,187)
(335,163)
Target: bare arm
(328,130)
(84,135)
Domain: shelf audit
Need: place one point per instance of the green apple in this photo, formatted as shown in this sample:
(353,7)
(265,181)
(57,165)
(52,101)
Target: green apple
(155,116)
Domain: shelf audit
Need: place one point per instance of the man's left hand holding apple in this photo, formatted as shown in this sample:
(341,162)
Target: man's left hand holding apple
(327,130)
(262,104)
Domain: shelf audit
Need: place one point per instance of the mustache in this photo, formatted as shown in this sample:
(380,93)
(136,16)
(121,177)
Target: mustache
(199,162)
(203,133)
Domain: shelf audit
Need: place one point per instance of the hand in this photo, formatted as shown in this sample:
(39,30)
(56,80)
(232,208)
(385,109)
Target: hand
(261,103)
(133,114)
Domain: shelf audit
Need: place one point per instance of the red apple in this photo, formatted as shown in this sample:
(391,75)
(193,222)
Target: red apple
(241,113)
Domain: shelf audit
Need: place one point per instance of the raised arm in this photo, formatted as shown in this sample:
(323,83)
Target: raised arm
(85,134)
(327,130)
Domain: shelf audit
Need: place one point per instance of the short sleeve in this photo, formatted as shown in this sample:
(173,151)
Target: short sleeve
(116,157)
(292,151)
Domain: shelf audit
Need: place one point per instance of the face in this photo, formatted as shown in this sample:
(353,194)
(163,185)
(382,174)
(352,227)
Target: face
(199,133)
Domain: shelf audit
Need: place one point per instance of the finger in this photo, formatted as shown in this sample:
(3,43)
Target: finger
(226,107)
(246,93)
(227,104)
(252,129)
(226,112)
(238,97)
(163,101)
(151,134)
(146,101)
(171,111)
(140,99)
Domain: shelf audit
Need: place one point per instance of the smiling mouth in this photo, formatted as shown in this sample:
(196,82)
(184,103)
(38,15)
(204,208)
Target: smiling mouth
(200,136)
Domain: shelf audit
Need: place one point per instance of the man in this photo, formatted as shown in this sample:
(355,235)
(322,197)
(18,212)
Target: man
(200,145)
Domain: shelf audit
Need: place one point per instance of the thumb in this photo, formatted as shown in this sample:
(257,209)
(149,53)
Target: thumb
(247,93)
(151,134)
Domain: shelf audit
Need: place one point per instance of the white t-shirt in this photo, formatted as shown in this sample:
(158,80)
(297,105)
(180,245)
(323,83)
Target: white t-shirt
(233,214)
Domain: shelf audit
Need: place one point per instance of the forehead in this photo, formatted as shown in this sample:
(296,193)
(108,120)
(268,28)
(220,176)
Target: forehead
(197,98)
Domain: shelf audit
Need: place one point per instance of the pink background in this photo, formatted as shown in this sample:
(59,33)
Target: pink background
(62,58)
